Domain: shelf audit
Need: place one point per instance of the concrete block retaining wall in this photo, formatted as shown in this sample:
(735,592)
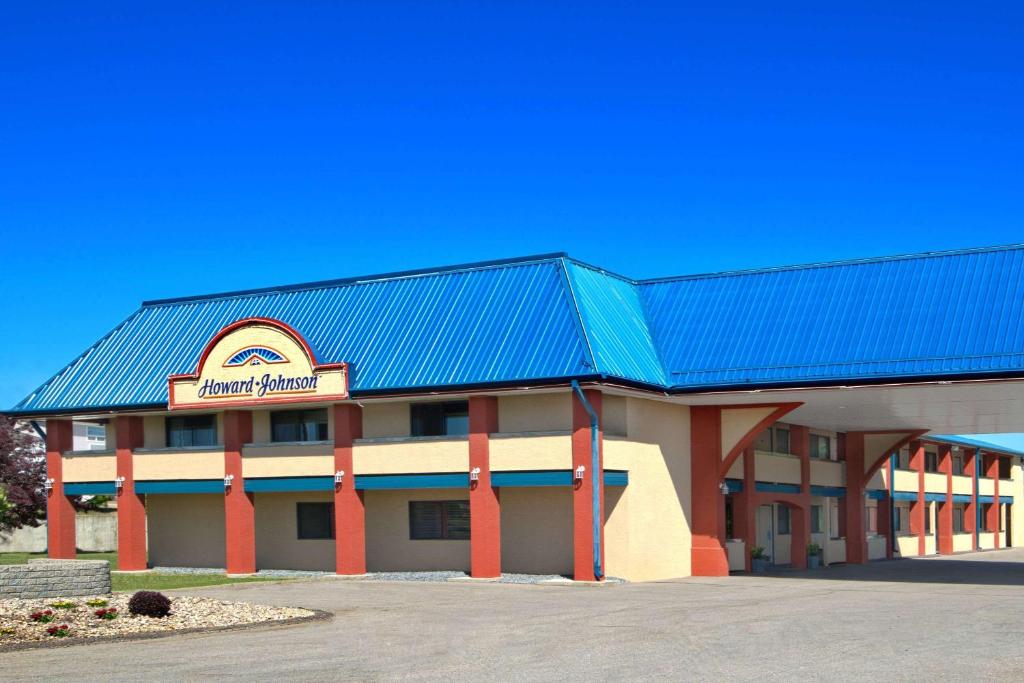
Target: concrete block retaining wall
(54,578)
(95,532)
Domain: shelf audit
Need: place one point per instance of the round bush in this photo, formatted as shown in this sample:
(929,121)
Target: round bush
(150,604)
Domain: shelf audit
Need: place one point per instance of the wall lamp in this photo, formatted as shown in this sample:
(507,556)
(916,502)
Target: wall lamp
(578,474)
(227,480)
(724,488)
(339,476)
(119,483)
(474,474)
(48,484)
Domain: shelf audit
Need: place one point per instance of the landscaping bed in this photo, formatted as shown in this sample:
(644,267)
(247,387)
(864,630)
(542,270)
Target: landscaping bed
(41,622)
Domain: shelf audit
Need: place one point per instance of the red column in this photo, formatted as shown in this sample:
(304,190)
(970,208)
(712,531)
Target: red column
(484,506)
(856,542)
(918,509)
(707,554)
(992,518)
(944,545)
(841,455)
(131,507)
(60,513)
(582,500)
(239,506)
(749,501)
(349,511)
(885,523)
(800,442)
(971,513)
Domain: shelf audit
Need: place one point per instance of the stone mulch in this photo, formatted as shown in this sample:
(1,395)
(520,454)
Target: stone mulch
(425,576)
(17,629)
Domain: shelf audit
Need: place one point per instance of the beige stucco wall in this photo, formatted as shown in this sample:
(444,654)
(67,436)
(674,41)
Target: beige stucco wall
(827,473)
(386,419)
(261,426)
(154,434)
(614,415)
(1017,489)
(907,546)
(388,546)
(934,483)
(736,550)
(413,455)
(648,534)
(986,540)
(184,464)
(962,485)
(292,460)
(186,530)
(537,453)
(737,422)
(986,487)
(89,467)
(962,543)
(537,530)
(906,480)
(835,550)
(781,469)
(277,533)
(876,547)
(548,412)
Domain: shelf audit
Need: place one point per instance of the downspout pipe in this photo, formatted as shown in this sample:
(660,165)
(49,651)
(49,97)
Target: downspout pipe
(596,476)
(39,430)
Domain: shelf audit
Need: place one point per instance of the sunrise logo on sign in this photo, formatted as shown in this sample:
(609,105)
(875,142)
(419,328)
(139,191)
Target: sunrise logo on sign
(256,361)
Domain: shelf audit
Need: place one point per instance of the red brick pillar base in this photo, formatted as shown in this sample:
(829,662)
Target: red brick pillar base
(349,509)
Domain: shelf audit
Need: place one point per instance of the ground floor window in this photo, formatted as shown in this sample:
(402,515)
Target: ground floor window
(315,520)
(958,519)
(439,520)
(817,519)
(927,518)
(833,519)
(871,520)
(728,518)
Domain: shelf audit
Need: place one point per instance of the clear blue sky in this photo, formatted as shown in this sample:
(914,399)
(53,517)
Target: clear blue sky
(150,151)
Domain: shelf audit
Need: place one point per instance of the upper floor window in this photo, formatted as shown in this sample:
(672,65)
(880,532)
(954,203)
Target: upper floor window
(298,425)
(96,432)
(958,463)
(931,462)
(191,430)
(440,419)
(774,440)
(1004,468)
(821,447)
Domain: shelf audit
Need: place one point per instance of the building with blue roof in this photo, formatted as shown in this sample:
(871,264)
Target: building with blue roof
(481,417)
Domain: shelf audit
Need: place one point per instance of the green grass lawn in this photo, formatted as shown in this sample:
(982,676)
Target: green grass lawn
(144,581)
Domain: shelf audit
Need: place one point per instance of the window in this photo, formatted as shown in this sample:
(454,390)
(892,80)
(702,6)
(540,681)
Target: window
(439,520)
(958,519)
(958,463)
(1004,468)
(316,521)
(931,462)
(821,447)
(927,518)
(904,460)
(871,520)
(191,430)
(897,518)
(440,419)
(298,425)
(783,516)
(773,440)
(817,519)
(96,432)
(833,519)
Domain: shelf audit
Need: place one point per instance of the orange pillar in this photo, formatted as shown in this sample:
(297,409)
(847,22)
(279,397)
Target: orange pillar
(239,506)
(349,511)
(992,519)
(131,507)
(971,512)
(60,513)
(944,546)
(918,509)
(800,442)
(707,554)
(749,502)
(582,491)
(484,505)
(856,542)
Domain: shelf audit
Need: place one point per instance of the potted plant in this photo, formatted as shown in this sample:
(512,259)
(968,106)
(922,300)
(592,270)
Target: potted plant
(758,559)
(813,555)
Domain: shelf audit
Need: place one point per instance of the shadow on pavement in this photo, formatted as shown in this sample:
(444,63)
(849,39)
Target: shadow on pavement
(933,569)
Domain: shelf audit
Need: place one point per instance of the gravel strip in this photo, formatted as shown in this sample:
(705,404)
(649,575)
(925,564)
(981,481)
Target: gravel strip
(187,614)
(435,576)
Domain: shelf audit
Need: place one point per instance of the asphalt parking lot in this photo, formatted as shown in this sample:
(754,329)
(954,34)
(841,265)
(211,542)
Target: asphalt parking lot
(958,617)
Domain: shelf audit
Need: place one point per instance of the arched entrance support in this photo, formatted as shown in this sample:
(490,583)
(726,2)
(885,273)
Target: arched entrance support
(799,520)
(866,452)
(718,434)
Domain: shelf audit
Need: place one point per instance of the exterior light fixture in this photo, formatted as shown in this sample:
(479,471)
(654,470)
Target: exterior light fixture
(339,476)
(48,484)
(119,483)
(724,488)
(474,474)
(578,475)
(956,449)
(227,480)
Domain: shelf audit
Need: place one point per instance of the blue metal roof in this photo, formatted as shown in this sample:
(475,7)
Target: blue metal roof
(942,314)
(972,442)
(550,318)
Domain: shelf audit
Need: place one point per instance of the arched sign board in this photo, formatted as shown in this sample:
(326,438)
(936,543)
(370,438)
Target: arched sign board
(257,361)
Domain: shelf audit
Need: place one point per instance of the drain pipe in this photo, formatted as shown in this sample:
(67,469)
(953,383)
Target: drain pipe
(596,476)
